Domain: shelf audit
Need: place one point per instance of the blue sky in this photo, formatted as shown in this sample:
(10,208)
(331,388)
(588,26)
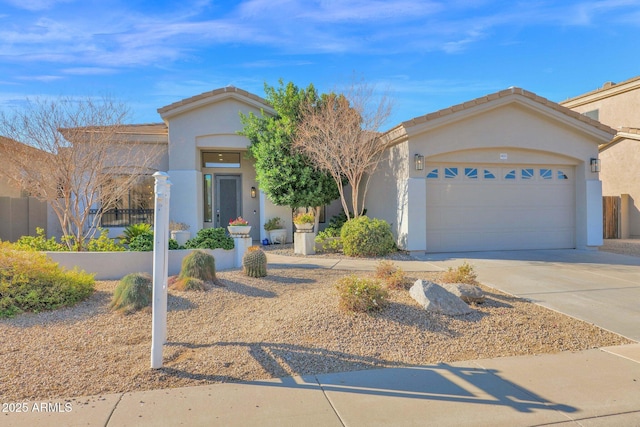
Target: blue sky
(427,54)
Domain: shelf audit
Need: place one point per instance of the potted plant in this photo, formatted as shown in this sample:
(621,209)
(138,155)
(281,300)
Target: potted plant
(179,232)
(276,231)
(304,222)
(239,227)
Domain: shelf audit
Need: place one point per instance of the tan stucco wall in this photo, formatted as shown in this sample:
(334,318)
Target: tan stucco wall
(620,174)
(387,195)
(620,109)
(210,127)
(8,190)
(523,135)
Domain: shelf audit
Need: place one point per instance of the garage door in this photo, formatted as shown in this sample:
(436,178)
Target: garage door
(474,207)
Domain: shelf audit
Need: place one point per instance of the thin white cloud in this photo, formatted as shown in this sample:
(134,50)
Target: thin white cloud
(89,71)
(274,63)
(117,37)
(43,79)
(36,5)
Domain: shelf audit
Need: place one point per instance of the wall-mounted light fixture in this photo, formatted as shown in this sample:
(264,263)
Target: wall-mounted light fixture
(419,162)
(253,192)
(595,165)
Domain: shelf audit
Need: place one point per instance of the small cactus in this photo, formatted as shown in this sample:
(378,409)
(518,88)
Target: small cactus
(254,262)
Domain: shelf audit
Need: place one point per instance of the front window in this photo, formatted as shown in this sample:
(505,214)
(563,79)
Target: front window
(135,207)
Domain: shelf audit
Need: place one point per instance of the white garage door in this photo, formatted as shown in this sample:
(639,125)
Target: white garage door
(473,207)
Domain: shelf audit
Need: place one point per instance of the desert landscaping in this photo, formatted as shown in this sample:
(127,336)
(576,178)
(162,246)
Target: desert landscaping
(285,324)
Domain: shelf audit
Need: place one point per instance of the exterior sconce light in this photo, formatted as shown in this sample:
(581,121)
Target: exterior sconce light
(595,165)
(419,162)
(253,192)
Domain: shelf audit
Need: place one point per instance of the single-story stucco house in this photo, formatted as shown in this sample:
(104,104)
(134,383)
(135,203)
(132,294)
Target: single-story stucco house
(506,171)
(618,105)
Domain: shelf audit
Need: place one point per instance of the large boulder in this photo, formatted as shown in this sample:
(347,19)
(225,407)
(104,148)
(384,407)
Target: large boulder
(437,299)
(470,294)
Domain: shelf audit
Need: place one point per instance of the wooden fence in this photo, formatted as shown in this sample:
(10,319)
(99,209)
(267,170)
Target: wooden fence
(611,217)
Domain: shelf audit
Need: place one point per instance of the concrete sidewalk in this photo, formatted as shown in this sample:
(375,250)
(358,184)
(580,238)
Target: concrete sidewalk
(598,387)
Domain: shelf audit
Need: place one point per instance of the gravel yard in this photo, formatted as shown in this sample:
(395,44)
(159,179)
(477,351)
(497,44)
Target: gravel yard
(622,246)
(285,324)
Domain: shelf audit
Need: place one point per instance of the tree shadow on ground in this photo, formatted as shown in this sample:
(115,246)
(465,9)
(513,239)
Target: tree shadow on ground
(434,382)
(179,303)
(288,280)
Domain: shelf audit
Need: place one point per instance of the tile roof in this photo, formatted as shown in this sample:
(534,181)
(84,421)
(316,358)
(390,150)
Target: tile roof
(145,129)
(228,89)
(608,86)
(502,94)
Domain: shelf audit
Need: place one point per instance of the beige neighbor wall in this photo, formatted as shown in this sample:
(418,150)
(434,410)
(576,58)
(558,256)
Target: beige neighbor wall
(209,127)
(618,105)
(620,173)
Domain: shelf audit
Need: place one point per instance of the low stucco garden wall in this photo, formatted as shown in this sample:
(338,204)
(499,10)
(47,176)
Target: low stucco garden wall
(116,265)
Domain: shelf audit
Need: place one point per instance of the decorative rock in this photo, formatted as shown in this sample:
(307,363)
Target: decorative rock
(437,299)
(467,293)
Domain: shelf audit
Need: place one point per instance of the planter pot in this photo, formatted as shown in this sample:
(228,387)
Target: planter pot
(180,236)
(304,228)
(239,230)
(278,236)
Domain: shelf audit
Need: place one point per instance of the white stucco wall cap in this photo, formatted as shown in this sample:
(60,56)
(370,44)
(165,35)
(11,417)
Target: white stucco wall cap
(609,89)
(523,97)
(212,97)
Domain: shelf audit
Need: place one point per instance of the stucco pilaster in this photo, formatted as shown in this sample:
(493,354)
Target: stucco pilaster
(186,198)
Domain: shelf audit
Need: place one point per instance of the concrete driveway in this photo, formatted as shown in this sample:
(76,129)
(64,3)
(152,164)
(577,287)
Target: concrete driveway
(599,287)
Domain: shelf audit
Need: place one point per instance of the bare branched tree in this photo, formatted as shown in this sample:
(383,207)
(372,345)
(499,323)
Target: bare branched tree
(75,155)
(341,134)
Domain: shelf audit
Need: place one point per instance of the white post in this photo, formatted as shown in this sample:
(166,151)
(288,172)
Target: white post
(160,267)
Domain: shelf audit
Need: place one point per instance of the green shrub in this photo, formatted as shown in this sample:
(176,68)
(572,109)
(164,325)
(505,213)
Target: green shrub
(174,245)
(393,276)
(210,238)
(463,274)
(273,224)
(29,281)
(134,230)
(361,294)
(364,236)
(142,242)
(134,292)
(39,242)
(103,243)
(328,240)
(197,265)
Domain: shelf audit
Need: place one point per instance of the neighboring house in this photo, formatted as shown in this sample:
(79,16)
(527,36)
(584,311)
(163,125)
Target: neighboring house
(510,170)
(618,105)
(19,214)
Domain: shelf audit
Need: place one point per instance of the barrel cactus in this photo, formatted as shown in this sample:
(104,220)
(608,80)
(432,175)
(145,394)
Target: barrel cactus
(134,292)
(254,262)
(198,270)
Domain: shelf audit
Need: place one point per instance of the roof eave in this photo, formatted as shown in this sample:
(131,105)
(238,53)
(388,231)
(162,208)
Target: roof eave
(207,98)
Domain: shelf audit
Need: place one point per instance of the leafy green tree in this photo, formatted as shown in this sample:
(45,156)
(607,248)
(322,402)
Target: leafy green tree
(288,178)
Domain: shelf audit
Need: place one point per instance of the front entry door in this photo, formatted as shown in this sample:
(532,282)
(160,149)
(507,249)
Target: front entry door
(228,198)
